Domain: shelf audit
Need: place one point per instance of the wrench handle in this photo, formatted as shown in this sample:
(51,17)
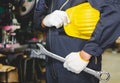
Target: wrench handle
(52,55)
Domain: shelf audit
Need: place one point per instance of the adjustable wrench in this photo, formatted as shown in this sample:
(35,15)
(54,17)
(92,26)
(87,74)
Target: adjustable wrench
(101,75)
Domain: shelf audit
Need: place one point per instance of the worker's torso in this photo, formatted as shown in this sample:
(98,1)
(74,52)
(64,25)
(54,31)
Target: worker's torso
(57,40)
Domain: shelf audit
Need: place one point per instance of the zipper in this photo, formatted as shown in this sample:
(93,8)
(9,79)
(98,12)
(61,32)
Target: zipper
(49,28)
(64,4)
(50,33)
(53,73)
(52,4)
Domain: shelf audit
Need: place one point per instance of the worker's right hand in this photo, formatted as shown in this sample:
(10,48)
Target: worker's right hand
(57,18)
(75,62)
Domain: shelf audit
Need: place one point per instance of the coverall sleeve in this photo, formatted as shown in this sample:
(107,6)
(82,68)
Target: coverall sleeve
(108,27)
(39,13)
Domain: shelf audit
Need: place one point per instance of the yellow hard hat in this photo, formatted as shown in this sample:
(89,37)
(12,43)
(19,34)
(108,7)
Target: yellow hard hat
(83,19)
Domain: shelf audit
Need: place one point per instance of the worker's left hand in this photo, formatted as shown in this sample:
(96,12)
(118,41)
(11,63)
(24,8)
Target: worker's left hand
(74,62)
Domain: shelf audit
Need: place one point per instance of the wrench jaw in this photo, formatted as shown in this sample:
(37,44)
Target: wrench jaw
(36,53)
(50,54)
(101,75)
(104,76)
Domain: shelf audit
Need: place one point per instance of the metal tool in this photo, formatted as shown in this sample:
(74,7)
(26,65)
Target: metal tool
(101,75)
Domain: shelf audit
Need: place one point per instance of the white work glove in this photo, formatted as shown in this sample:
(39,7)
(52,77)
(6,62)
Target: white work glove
(57,18)
(74,62)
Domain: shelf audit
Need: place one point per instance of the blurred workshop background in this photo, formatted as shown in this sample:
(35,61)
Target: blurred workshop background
(111,59)
(18,37)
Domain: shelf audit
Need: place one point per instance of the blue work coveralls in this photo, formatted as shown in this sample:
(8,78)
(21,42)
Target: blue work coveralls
(106,32)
